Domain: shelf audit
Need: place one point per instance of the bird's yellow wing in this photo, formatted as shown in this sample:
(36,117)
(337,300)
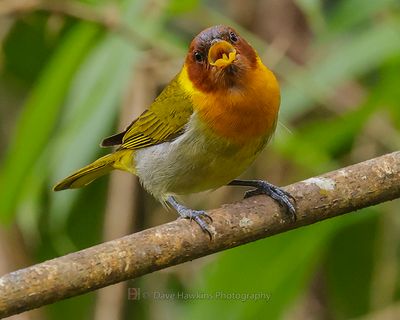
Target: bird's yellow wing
(163,121)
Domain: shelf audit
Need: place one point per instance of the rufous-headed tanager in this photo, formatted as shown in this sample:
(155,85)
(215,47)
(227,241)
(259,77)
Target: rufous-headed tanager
(204,129)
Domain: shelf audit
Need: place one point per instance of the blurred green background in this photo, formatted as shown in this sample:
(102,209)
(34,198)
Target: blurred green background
(73,72)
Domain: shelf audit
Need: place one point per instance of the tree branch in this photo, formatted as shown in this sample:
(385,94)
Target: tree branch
(318,198)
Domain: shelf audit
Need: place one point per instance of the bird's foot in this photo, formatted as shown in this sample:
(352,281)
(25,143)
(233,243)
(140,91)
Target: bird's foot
(197,215)
(283,197)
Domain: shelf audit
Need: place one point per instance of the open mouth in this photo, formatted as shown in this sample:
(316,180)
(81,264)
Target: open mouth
(221,54)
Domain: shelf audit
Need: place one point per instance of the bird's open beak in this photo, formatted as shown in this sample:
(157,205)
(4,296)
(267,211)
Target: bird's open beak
(221,54)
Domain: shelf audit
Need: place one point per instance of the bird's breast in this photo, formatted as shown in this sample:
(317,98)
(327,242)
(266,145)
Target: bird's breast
(242,113)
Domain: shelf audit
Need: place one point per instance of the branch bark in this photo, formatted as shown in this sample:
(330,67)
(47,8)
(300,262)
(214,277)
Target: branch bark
(318,198)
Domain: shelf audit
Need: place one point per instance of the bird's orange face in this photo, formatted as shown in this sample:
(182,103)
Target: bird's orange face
(218,59)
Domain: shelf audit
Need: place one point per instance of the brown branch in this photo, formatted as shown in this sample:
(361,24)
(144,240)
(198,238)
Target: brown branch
(319,198)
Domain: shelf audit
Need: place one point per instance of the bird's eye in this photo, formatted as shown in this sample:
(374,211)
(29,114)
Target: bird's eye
(198,56)
(233,37)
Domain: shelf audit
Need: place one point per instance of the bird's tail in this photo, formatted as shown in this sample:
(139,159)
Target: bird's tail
(121,159)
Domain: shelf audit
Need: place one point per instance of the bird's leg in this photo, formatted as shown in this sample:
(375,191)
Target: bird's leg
(263,187)
(196,215)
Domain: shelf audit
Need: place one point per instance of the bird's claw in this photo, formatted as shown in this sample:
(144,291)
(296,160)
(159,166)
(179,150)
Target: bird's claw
(283,197)
(198,216)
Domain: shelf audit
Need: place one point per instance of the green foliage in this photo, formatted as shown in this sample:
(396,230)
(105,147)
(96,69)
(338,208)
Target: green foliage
(266,267)
(345,58)
(352,13)
(349,268)
(40,114)
(178,7)
(33,35)
(90,112)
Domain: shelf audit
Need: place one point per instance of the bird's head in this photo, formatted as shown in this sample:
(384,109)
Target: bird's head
(219,58)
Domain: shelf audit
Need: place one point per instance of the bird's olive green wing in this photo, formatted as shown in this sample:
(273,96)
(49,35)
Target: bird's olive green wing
(163,121)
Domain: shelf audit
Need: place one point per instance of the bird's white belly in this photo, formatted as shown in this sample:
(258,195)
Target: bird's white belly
(194,162)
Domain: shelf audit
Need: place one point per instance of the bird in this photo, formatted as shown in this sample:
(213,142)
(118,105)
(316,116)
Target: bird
(204,129)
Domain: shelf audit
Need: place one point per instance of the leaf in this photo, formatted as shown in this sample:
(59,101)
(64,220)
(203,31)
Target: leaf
(349,266)
(279,266)
(348,13)
(317,143)
(91,110)
(354,57)
(178,7)
(39,116)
